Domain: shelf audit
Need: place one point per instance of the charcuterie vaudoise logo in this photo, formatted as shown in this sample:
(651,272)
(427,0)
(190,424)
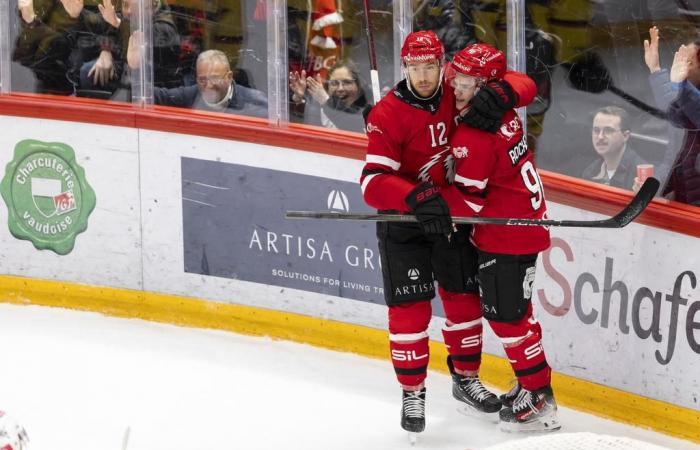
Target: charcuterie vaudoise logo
(47,195)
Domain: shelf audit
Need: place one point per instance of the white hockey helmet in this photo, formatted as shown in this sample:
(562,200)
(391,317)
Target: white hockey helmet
(12,434)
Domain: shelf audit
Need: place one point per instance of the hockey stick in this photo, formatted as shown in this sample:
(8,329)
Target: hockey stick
(628,214)
(373,73)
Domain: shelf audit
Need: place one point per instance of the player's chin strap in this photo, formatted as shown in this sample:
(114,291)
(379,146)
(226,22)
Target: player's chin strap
(410,88)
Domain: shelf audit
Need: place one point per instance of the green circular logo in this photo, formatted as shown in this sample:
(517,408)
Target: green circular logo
(47,196)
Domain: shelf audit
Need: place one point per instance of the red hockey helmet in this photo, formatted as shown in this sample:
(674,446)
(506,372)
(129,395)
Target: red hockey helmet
(480,60)
(422,46)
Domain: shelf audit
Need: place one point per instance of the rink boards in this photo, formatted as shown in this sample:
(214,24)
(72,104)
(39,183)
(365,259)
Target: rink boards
(182,218)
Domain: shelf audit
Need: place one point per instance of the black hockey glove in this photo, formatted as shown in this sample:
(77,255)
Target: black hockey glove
(430,209)
(489,105)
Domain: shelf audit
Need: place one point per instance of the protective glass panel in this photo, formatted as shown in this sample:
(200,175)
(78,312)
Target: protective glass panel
(608,110)
(206,55)
(66,47)
(329,63)
(222,57)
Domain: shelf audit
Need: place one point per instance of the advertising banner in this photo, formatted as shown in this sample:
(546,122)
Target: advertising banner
(70,207)
(234,227)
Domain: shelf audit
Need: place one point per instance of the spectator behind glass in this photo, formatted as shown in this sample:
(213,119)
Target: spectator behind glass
(215,89)
(339,108)
(100,73)
(44,44)
(681,85)
(616,164)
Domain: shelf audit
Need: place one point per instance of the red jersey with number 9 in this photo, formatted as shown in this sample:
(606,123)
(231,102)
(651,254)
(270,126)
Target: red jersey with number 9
(498,177)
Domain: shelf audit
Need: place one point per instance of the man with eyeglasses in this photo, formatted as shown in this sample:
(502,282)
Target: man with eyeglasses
(409,169)
(616,164)
(215,89)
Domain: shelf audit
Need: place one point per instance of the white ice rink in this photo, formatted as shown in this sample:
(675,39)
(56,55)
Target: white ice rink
(77,380)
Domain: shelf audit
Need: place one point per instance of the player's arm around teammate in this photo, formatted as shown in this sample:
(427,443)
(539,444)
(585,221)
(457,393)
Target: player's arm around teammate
(496,175)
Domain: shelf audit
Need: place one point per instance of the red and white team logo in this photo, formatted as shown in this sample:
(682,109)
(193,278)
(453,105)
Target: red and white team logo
(372,128)
(509,129)
(460,152)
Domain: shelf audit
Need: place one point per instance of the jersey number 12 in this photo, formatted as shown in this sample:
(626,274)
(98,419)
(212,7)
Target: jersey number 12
(441,129)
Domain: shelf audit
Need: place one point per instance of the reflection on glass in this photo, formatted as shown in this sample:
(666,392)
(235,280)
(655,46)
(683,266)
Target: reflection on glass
(88,48)
(612,109)
(71,47)
(329,60)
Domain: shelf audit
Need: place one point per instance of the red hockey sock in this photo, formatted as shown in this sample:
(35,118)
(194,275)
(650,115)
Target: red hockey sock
(410,355)
(463,330)
(408,341)
(463,341)
(522,341)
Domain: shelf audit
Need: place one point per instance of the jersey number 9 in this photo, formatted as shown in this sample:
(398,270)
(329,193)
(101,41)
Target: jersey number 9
(533,184)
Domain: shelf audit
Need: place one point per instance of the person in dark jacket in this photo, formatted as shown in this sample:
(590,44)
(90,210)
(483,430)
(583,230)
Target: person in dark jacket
(215,89)
(44,44)
(681,84)
(616,164)
(105,71)
(340,107)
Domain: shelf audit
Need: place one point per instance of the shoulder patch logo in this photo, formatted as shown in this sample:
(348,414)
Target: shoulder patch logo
(460,152)
(372,128)
(47,196)
(509,129)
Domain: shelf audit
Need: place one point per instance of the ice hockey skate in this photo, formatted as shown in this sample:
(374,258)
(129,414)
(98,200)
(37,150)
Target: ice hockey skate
(532,411)
(509,397)
(477,401)
(413,413)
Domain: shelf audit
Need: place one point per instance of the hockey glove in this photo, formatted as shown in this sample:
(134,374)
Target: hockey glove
(489,105)
(430,209)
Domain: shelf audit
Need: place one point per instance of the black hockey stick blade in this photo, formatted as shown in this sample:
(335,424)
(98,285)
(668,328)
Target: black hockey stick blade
(628,214)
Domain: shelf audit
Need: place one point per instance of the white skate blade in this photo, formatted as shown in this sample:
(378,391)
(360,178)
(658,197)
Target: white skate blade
(545,424)
(412,438)
(470,411)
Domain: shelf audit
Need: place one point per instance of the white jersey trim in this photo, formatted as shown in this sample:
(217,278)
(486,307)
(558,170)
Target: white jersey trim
(384,161)
(408,337)
(366,181)
(473,206)
(481,184)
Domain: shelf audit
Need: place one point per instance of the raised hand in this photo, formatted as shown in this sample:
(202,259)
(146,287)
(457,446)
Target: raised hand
(133,54)
(103,70)
(681,64)
(109,14)
(651,50)
(316,89)
(73,7)
(26,8)
(297,83)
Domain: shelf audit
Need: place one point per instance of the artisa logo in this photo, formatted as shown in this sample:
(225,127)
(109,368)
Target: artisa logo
(47,196)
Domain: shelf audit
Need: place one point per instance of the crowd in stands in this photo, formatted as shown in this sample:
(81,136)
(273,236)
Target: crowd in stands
(208,57)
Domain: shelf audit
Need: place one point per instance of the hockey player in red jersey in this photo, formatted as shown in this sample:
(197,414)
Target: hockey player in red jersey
(409,169)
(497,175)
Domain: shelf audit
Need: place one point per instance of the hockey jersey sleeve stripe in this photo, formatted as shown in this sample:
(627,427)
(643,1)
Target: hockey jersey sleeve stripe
(384,161)
(463,325)
(366,181)
(408,337)
(474,206)
(481,184)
